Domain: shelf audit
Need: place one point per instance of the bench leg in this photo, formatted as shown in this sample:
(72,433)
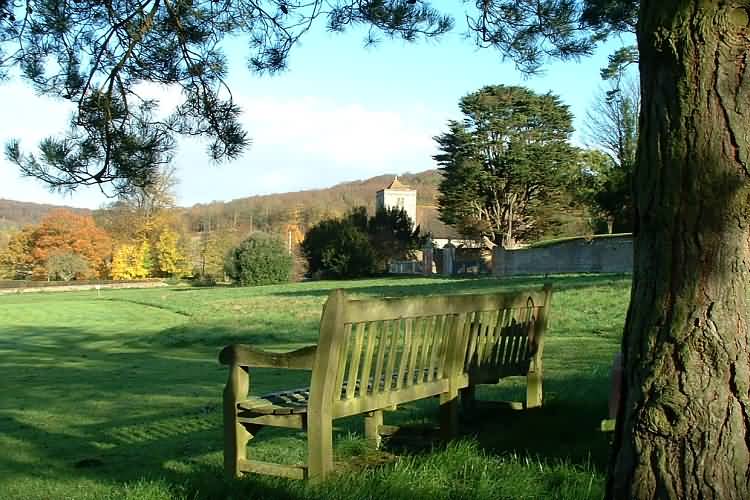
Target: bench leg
(235,434)
(373,421)
(449,415)
(235,448)
(534,394)
(319,449)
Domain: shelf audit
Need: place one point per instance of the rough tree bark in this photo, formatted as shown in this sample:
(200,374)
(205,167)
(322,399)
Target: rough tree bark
(683,430)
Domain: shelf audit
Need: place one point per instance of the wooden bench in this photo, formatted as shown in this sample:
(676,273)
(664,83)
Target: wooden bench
(376,354)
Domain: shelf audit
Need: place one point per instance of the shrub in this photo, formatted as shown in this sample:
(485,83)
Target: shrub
(203,279)
(357,246)
(338,249)
(66,266)
(259,260)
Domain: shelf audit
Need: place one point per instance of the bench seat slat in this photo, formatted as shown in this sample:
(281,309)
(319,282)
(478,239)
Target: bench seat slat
(289,471)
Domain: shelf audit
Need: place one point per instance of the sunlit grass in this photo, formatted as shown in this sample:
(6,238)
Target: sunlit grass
(117,395)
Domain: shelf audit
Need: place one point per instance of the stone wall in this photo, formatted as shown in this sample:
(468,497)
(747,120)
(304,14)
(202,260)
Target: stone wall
(603,254)
(71,286)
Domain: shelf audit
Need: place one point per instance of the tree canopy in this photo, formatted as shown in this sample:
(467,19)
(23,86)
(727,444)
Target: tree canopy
(96,54)
(57,246)
(509,152)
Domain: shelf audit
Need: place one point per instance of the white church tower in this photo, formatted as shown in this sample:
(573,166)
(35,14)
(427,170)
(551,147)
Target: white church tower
(398,194)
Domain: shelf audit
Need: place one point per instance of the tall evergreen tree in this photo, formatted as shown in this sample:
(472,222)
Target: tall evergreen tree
(393,236)
(509,153)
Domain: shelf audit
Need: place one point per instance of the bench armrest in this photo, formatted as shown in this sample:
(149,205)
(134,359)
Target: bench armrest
(245,355)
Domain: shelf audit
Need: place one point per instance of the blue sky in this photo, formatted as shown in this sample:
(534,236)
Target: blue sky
(341,112)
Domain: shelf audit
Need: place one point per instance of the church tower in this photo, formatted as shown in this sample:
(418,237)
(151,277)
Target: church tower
(398,194)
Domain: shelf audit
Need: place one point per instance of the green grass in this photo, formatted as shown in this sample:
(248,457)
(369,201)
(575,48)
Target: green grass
(552,242)
(118,396)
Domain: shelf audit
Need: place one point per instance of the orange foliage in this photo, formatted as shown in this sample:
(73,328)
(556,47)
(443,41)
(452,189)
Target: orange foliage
(62,232)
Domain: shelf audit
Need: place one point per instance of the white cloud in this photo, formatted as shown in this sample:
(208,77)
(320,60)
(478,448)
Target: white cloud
(29,118)
(298,143)
(346,134)
(305,143)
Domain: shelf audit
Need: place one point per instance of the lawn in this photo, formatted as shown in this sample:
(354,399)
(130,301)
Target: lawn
(118,395)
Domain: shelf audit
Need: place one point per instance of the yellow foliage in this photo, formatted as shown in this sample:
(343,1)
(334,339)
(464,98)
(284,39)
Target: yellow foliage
(170,260)
(130,262)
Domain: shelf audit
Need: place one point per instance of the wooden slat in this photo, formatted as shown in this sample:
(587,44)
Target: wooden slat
(484,337)
(404,353)
(412,307)
(387,382)
(518,331)
(245,355)
(511,340)
(385,331)
(424,360)
(343,356)
(471,320)
(355,360)
(294,421)
(503,344)
(499,339)
(271,469)
(405,395)
(369,353)
(437,340)
(416,344)
(471,350)
(510,333)
(448,324)
(489,348)
(477,332)
(265,406)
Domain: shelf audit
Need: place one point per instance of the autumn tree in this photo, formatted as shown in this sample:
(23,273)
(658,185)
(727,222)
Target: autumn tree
(16,260)
(60,232)
(509,154)
(170,261)
(211,251)
(131,261)
(146,214)
(66,266)
(142,212)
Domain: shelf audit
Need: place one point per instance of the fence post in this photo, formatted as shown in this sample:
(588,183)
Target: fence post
(449,258)
(427,257)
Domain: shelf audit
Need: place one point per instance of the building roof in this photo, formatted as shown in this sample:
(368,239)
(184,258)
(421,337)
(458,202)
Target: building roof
(398,185)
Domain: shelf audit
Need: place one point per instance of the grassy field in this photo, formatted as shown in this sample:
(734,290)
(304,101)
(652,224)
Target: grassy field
(118,396)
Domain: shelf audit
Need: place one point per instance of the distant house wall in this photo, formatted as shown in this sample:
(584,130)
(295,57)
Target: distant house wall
(610,254)
(399,198)
(439,242)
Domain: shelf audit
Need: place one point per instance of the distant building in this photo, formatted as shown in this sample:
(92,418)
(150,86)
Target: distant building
(398,195)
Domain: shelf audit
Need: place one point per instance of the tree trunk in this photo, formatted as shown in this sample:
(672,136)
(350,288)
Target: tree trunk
(683,428)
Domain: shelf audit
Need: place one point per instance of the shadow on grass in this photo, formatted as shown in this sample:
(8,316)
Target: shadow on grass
(287,333)
(459,285)
(78,407)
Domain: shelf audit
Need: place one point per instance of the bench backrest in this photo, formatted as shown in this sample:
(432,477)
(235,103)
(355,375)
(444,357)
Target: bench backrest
(505,341)
(380,352)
